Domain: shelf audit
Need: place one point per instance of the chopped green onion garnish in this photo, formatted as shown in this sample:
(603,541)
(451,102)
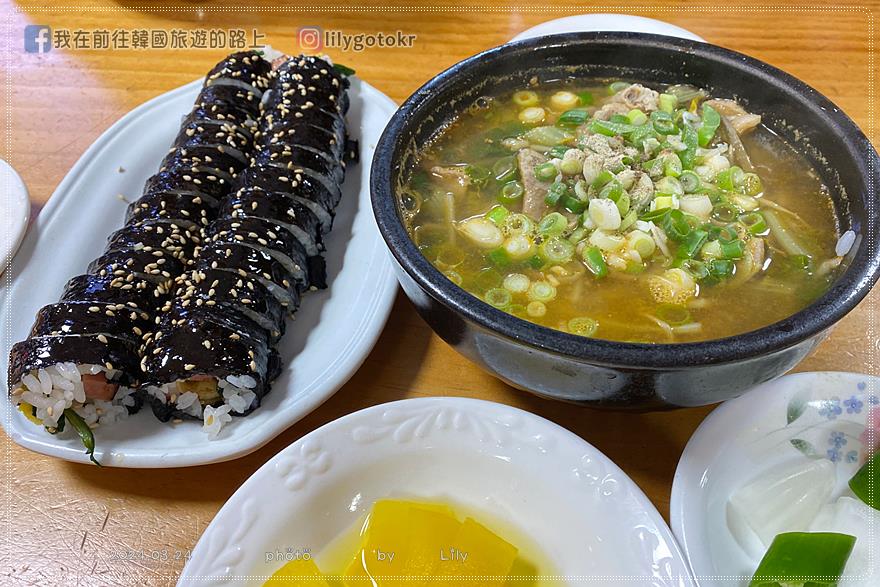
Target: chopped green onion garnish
(730,179)
(575,117)
(499,257)
(573,205)
(690,181)
(504,169)
(668,103)
(720,268)
(553,224)
(556,192)
(604,177)
(691,244)
(676,225)
(689,138)
(669,186)
(725,212)
(752,184)
(615,87)
(498,297)
(610,128)
(595,262)
(663,122)
(866,483)
(478,175)
(804,558)
(673,314)
(697,269)
(732,249)
(557,152)
(637,117)
(511,192)
(611,190)
(556,250)
(546,172)
(672,165)
(542,291)
(498,214)
(754,223)
(586,98)
(583,326)
(711,121)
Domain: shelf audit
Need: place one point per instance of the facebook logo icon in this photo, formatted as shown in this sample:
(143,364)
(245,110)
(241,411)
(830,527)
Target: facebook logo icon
(37,38)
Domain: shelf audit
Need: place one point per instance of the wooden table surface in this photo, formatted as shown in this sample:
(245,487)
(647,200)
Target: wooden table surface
(64,524)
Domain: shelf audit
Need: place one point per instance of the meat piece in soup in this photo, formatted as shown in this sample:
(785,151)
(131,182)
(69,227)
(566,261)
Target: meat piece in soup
(625,213)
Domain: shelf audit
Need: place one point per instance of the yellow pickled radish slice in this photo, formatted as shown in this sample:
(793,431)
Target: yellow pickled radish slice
(431,532)
(298,573)
(28,411)
(478,554)
(393,529)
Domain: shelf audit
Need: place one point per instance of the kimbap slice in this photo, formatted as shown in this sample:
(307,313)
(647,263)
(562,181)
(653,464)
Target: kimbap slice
(156,235)
(232,293)
(129,292)
(191,178)
(240,97)
(92,375)
(250,262)
(265,236)
(248,67)
(314,77)
(301,135)
(190,208)
(154,266)
(276,179)
(223,157)
(296,157)
(200,131)
(113,320)
(199,364)
(281,209)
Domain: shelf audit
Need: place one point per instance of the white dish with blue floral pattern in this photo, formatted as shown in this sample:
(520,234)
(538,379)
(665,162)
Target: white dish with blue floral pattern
(828,418)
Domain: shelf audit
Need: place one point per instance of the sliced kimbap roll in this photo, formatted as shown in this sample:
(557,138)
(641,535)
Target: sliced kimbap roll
(250,262)
(276,179)
(293,214)
(154,266)
(129,292)
(114,320)
(190,177)
(296,156)
(74,380)
(245,67)
(300,135)
(199,368)
(232,293)
(187,208)
(265,236)
(201,131)
(242,99)
(313,77)
(218,156)
(156,235)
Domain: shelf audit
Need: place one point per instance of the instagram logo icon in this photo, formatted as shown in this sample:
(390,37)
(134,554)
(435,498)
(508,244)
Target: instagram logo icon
(311,39)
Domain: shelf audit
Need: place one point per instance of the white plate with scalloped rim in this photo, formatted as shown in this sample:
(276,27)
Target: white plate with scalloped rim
(591,521)
(334,331)
(607,22)
(823,413)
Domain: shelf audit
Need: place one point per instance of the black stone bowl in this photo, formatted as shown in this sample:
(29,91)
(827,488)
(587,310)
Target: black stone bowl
(610,374)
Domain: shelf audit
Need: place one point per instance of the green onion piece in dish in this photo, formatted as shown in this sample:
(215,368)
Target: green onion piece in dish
(499,257)
(866,483)
(586,98)
(732,249)
(553,224)
(711,122)
(504,169)
(575,117)
(573,205)
(610,128)
(725,212)
(676,225)
(663,122)
(557,152)
(583,326)
(804,558)
(556,250)
(697,269)
(343,69)
(556,192)
(486,279)
(690,181)
(668,103)
(547,136)
(478,175)
(615,87)
(754,223)
(85,433)
(752,184)
(511,193)
(691,245)
(730,179)
(542,291)
(595,262)
(604,177)
(546,172)
(498,297)
(637,117)
(691,141)
(498,214)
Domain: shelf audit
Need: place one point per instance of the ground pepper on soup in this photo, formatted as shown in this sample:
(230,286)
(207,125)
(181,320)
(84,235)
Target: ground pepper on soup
(622,212)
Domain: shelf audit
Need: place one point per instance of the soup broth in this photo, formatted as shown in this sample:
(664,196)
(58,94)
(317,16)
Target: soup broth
(623,212)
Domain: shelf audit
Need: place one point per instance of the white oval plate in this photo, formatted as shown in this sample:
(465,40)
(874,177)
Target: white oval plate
(749,435)
(587,516)
(607,22)
(15,208)
(333,332)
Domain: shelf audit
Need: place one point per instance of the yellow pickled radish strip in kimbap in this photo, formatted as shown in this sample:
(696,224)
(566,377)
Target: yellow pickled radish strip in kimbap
(155,266)
(233,293)
(277,207)
(270,238)
(199,368)
(186,209)
(251,262)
